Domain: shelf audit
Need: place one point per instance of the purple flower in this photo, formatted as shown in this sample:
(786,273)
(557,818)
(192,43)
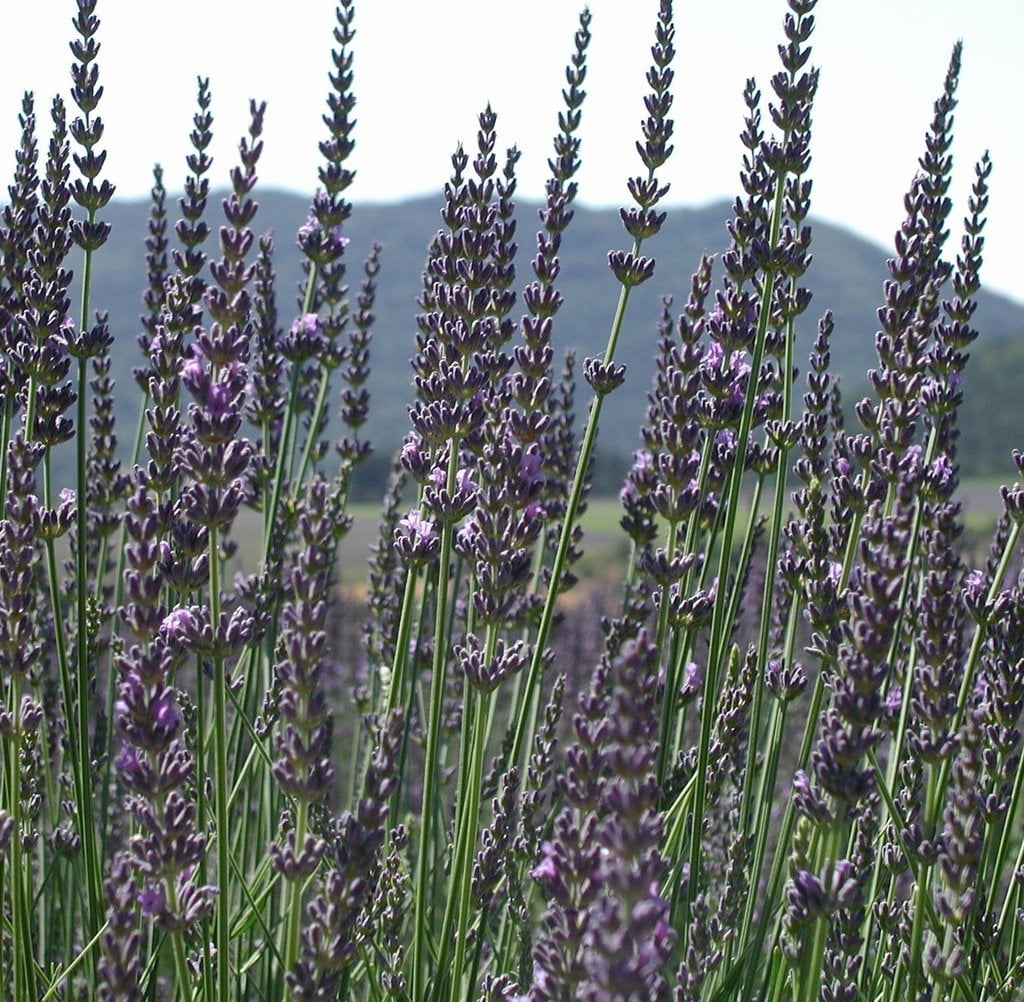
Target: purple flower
(546,868)
(976,597)
(308,323)
(192,364)
(411,449)
(151,899)
(179,623)
(311,228)
(308,229)
(642,460)
(218,400)
(421,529)
(165,713)
(127,760)
(943,469)
(893,705)
(529,467)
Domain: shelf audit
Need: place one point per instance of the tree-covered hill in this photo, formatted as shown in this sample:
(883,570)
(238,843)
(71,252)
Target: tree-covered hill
(846,276)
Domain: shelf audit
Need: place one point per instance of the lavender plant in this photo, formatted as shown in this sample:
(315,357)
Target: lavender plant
(785,765)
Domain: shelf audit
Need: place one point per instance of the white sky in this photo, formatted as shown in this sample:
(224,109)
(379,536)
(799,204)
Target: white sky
(425,67)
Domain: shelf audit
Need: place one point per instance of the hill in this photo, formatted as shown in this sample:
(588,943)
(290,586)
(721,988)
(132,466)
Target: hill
(846,276)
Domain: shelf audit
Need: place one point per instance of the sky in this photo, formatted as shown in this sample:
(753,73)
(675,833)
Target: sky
(425,68)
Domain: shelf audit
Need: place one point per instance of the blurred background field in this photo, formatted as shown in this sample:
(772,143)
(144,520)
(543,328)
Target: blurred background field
(607,547)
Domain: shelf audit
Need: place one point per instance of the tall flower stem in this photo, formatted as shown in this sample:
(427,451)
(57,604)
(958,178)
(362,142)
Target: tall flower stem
(6,420)
(83,786)
(24,956)
(118,598)
(631,270)
(286,444)
(682,639)
(291,943)
(221,781)
(318,414)
(457,918)
(973,654)
(774,535)
(520,737)
(87,131)
(430,769)
(718,641)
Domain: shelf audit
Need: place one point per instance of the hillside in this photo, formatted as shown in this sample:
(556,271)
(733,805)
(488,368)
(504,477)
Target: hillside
(845,276)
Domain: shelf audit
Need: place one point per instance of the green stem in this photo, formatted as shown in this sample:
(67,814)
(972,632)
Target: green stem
(83,784)
(270,515)
(916,935)
(220,778)
(318,412)
(475,742)
(771,558)
(520,737)
(118,595)
(718,641)
(1011,890)
(5,438)
(21,920)
(431,766)
(765,799)
(465,857)
(285,446)
(62,976)
(815,958)
(779,862)
(396,684)
(668,711)
(181,972)
(291,945)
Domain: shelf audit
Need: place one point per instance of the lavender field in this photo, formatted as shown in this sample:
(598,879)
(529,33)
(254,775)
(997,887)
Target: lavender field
(749,731)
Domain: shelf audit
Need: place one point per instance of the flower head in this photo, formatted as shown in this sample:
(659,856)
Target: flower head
(308,323)
(192,364)
(151,899)
(418,526)
(178,624)
(529,467)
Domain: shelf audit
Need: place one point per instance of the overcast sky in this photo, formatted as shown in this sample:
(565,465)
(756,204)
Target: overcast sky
(425,67)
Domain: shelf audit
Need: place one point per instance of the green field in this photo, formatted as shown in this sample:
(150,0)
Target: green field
(606,546)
